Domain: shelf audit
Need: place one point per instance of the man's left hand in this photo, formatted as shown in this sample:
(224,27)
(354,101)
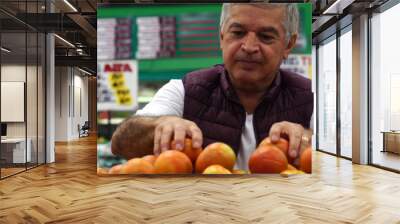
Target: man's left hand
(295,133)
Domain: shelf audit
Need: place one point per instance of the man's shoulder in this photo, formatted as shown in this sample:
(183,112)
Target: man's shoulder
(294,81)
(203,76)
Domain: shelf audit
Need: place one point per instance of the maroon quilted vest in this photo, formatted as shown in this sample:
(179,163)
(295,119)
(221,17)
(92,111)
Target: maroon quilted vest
(211,102)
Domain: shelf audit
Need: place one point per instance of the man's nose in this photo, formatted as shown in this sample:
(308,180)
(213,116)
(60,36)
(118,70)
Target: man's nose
(250,43)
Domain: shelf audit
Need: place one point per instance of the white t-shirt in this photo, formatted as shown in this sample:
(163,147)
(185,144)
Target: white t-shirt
(169,100)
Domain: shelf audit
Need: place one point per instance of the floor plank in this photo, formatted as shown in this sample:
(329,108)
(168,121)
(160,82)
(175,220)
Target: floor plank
(69,191)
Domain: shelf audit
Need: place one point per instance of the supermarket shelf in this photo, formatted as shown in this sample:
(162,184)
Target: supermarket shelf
(173,68)
(165,10)
(177,64)
(113,121)
(104,150)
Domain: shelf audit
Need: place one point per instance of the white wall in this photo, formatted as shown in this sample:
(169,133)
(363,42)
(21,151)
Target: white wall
(33,127)
(71,94)
(61,103)
(80,101)
(12,73)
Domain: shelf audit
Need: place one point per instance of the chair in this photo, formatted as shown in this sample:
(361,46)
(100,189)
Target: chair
(84,130)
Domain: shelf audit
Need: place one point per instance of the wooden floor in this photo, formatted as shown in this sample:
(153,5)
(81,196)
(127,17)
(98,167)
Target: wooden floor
(69,191)
(5,172)
(10,171)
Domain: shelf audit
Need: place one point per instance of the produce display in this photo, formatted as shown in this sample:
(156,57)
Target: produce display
(216,154)
(218,158)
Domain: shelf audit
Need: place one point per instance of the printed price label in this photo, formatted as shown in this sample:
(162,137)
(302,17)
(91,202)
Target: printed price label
(117,85)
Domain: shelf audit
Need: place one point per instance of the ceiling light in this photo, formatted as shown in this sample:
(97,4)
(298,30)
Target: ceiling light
(64,40)
(338,6)
(86,72)
(5,49)
(329,9)
(70,5)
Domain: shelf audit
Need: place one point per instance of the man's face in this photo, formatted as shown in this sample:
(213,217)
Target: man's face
(253,45)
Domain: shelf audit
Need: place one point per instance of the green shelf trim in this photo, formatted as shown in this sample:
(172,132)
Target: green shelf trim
(212,54)
(197,25)
(176,68)
(154,76)
(177,64)
(159,10)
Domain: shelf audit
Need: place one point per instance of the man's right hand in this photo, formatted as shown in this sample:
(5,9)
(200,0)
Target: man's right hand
(175,128)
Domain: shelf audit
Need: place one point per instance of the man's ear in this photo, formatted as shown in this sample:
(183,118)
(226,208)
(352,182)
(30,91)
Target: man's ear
(291,44)
(221,37)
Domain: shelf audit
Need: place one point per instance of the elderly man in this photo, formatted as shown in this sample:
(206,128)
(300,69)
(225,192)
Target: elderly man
(240,102)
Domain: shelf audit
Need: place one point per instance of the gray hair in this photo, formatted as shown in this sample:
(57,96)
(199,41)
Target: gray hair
(291,22)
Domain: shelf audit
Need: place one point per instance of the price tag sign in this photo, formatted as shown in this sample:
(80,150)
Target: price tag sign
(117,85)
(299,63)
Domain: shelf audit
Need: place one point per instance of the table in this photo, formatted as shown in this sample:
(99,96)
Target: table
(13,150)
(391,141)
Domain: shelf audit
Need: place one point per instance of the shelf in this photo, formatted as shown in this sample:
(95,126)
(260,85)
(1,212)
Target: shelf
(105,11)
(104,150)
(173,68)
(113,121)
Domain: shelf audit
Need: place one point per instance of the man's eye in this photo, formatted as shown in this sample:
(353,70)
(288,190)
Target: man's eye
(238,33)
(265,37)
